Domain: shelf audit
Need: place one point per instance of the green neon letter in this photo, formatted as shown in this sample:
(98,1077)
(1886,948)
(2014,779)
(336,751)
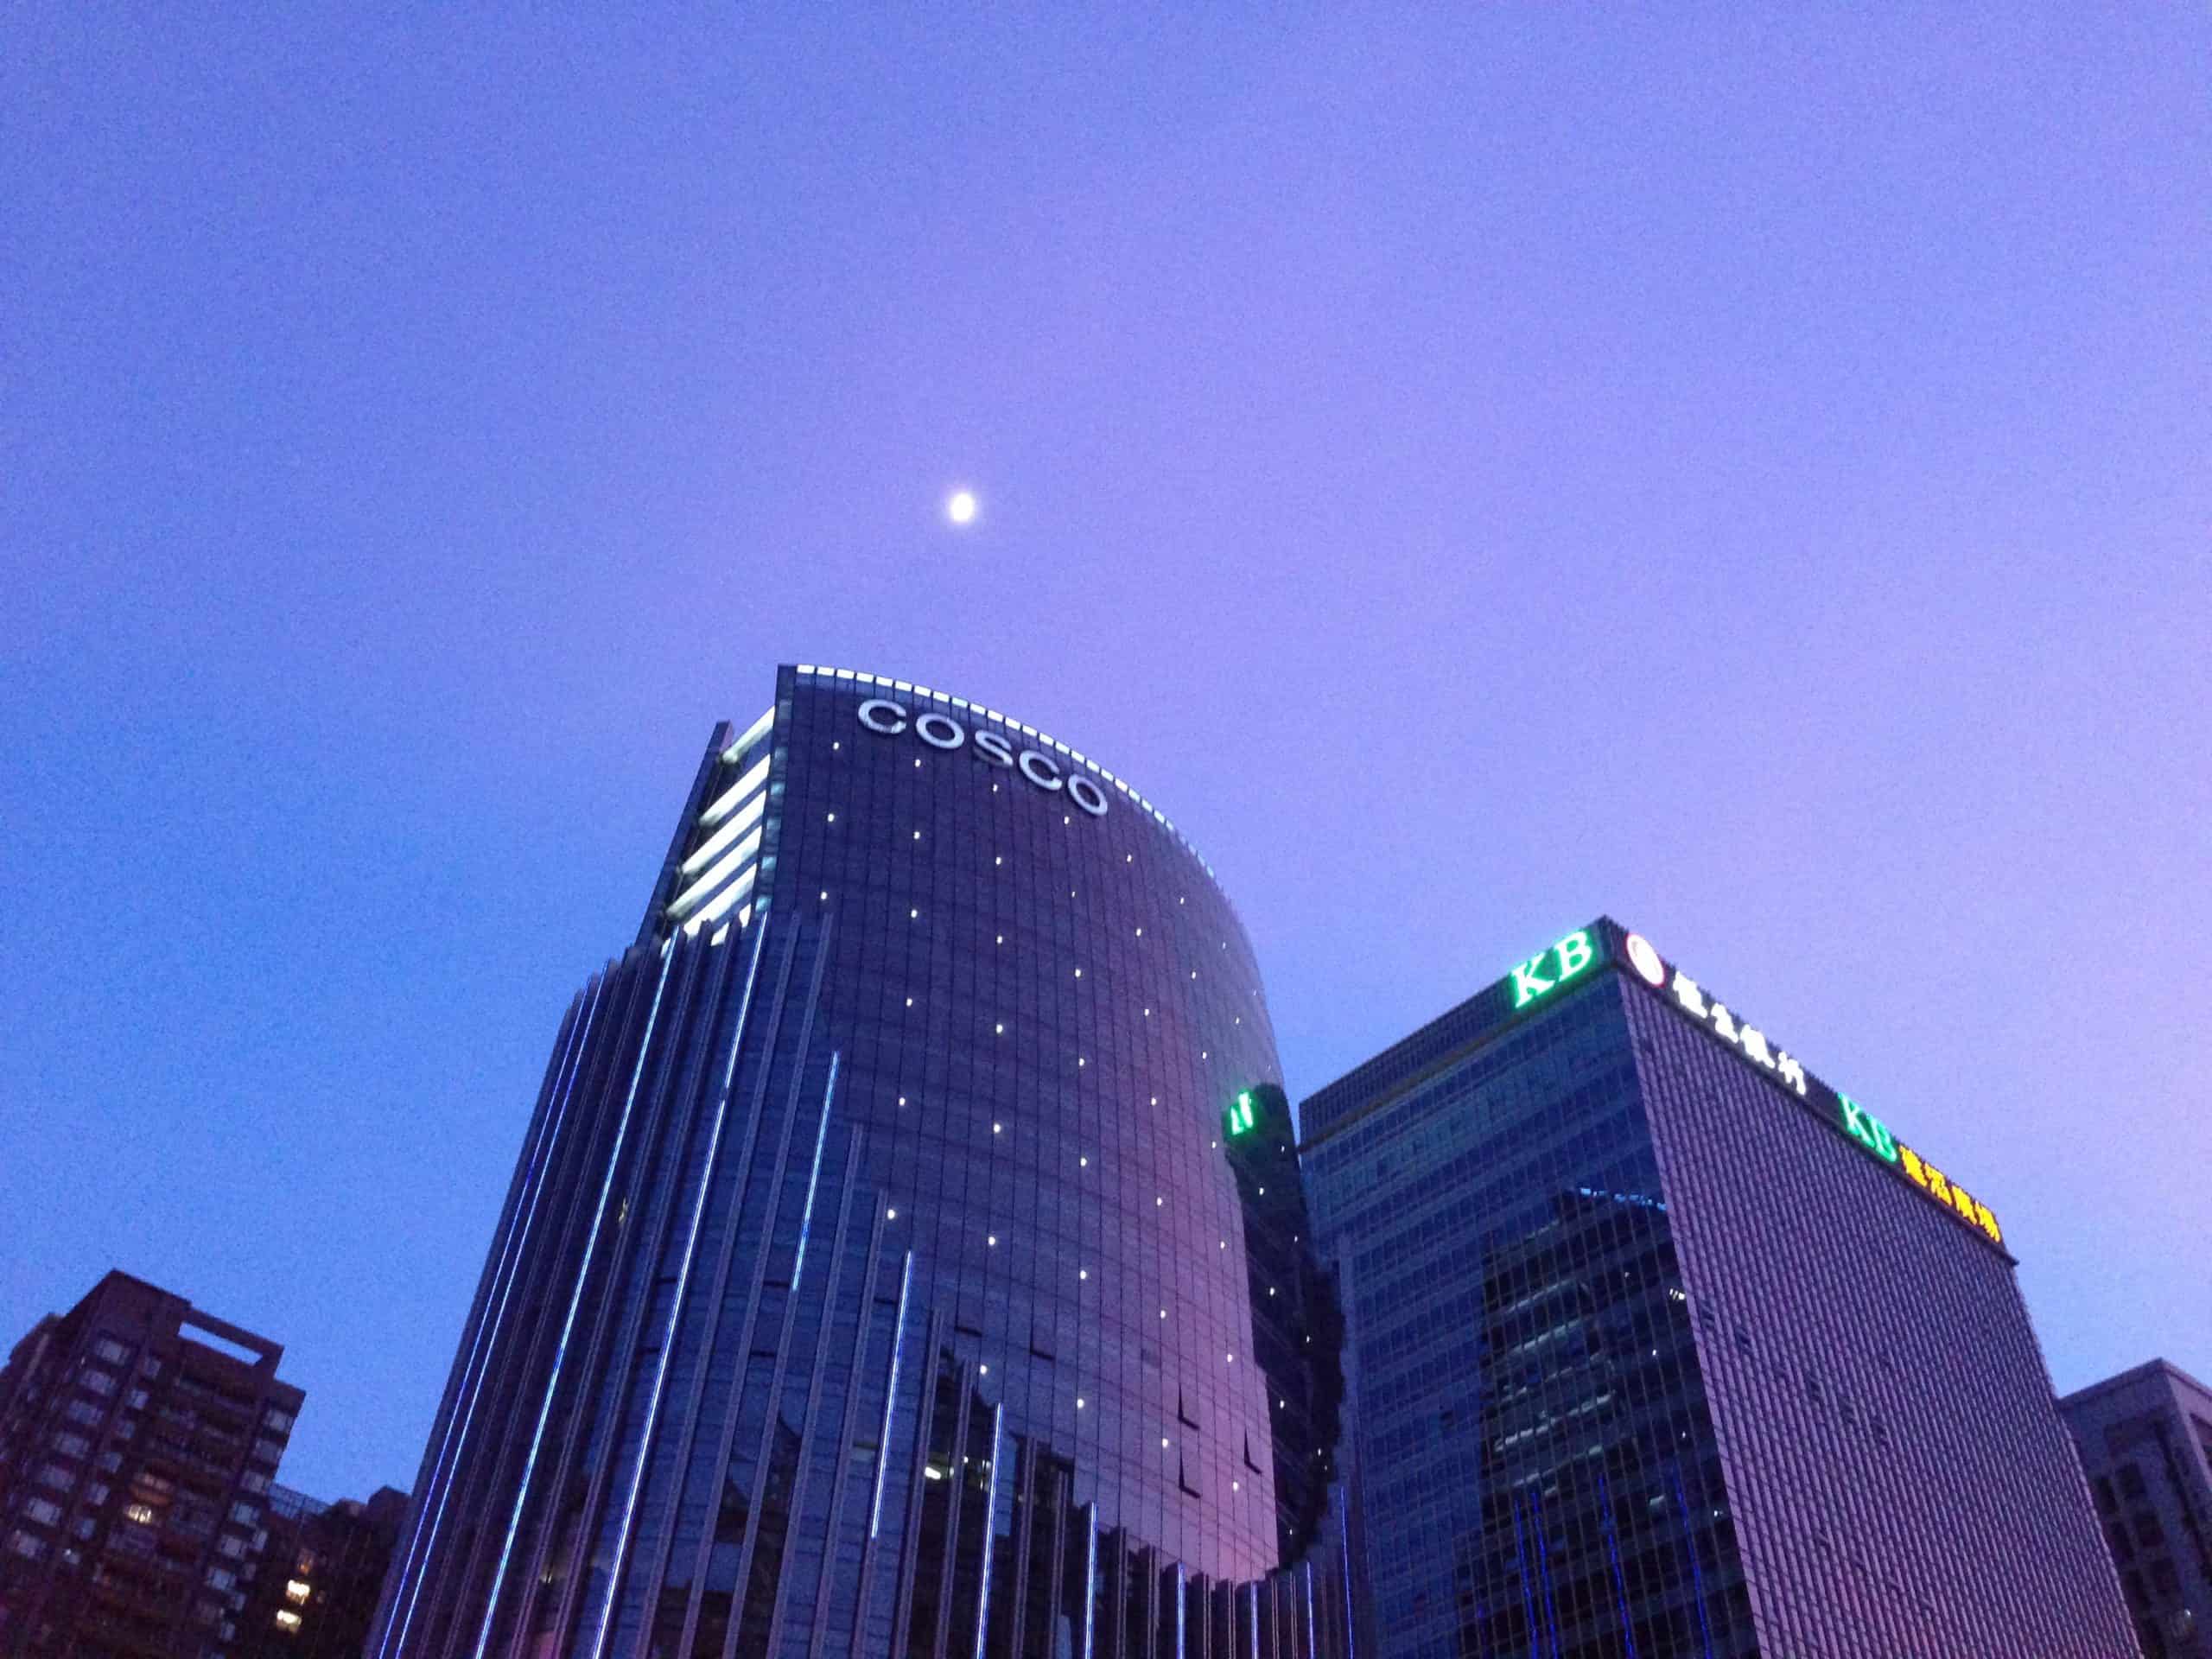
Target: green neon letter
(1574,954)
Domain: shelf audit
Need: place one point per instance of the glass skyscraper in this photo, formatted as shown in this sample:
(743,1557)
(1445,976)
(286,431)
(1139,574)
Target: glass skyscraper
(875,1277)
(1657,1346)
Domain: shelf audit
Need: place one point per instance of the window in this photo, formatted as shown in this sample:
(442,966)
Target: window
(287,1619)
(31,1548)
(108,1348)
(277,1420)
(56,1475)
(98,1382)
(73,1446)
(221,1576)
(245,1514)
(140,1513)
(231,1547)
(43,1512)
(297,1591)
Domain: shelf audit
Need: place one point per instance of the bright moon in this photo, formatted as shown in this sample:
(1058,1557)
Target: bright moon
(960,506)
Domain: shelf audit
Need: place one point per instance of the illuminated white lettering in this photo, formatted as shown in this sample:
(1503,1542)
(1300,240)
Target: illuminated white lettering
(1044,774)
(946,733)
(1723,1022)
(1687,993)
(1087,795)
(876,710)
(994,748)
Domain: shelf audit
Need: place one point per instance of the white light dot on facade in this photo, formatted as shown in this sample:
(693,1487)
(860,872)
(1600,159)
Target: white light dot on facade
(891,1214)
(833,817)
(997,1128)
(960,507)
(991,1239)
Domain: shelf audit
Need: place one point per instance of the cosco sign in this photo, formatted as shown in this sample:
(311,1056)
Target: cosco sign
(941,731)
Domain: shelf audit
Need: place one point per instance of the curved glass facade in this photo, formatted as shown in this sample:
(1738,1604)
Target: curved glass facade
(875,1277)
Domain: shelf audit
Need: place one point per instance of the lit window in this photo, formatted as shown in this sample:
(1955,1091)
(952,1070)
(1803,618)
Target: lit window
(287,1619)
(139,1513)
(297,1590)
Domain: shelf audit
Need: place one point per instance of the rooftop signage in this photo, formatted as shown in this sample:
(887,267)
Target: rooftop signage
(1570,960)
(1870,1132)
(941,731)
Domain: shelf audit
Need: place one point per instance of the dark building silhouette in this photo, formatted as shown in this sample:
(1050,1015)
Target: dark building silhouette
(874,1278)
(318,1574)
(1657,1346)
(2145,1440)
(138,1441)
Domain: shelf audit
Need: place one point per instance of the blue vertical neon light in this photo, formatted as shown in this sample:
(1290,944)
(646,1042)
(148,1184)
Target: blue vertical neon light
(487,1336)
(575,1300)
(806,1215)
(991,1530)
(890,1395)
(676,1303)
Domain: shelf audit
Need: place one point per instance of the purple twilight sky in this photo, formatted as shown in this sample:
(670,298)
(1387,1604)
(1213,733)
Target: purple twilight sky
(1475,468)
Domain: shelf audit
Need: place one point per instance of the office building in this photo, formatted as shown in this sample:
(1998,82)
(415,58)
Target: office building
(2145,1440)
(1658,1346)
(874,1278)
(139,1438)
(317,1575)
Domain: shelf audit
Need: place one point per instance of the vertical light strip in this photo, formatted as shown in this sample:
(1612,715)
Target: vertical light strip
(441,1487)
(1312,1640)
(806,1215)
(991,1529)
(891,1398)
(1182,1601)
(575,1300)
(1090,1575)
(1342,1505)
(674,1307)
(1255,1619)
